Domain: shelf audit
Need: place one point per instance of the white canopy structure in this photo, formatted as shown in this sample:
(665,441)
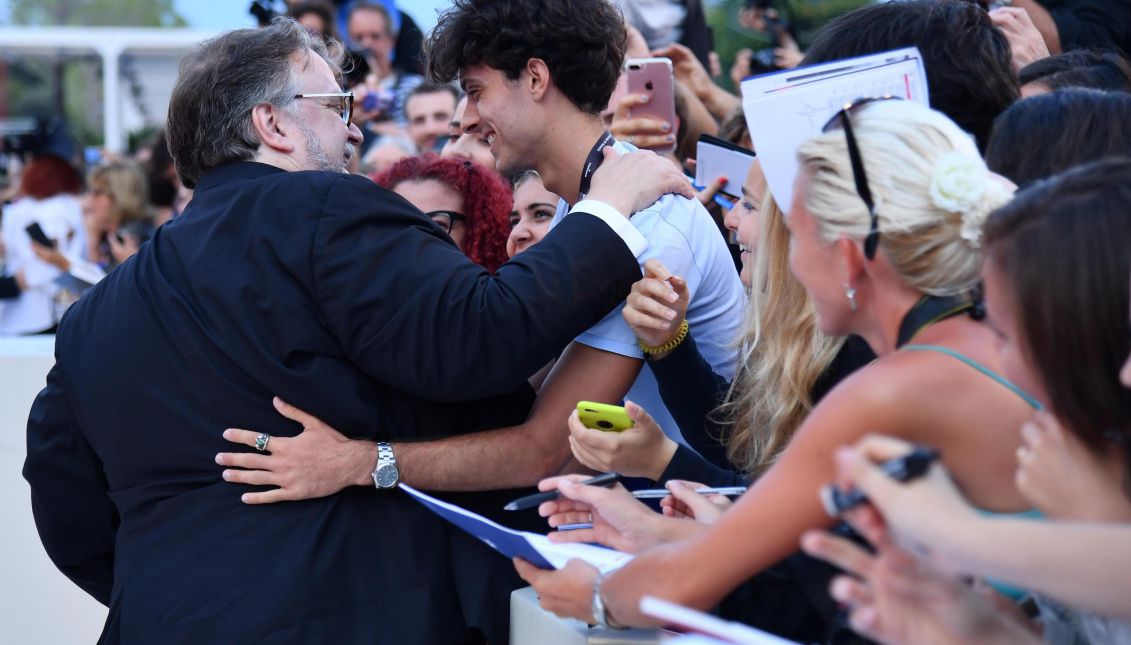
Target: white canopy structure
(110,44)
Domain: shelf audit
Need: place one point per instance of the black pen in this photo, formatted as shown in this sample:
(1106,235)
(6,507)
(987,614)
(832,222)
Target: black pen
(607,480)
(911,466)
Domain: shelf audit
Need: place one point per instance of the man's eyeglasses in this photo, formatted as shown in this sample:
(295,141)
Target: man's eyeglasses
(445,219)
(841,118)
(346,98)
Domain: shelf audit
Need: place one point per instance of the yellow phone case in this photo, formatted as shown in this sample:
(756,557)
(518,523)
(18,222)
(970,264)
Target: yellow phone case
(601,416)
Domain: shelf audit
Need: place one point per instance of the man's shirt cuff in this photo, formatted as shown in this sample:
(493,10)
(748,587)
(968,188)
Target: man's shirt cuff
(624,229)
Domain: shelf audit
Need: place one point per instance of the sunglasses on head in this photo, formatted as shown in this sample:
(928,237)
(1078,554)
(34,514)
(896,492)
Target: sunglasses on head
(842,119)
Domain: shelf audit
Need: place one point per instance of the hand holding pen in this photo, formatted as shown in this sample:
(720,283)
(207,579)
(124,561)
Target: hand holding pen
(616,519)
(695,501)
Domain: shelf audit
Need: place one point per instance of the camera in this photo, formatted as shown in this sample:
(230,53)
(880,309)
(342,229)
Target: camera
(763,16)
(264,11)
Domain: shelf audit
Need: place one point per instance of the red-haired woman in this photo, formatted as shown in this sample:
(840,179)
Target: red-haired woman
(471,203)
(47,198)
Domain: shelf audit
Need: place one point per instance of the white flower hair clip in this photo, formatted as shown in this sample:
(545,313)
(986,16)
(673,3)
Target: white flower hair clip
(958,182)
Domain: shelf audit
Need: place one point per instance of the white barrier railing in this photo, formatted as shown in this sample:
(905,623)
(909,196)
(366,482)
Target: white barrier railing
(37,603)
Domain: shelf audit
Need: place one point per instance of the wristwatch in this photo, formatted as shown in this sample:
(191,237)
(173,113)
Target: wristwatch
(386,474)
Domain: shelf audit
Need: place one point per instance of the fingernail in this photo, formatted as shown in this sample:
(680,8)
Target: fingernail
(667,127)
(220,459)
(723,180)
(228,433)
(227,474)
(669,314)
(244,497)
(669,138)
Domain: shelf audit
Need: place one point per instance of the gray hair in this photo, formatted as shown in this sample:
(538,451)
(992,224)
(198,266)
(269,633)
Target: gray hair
(221,82)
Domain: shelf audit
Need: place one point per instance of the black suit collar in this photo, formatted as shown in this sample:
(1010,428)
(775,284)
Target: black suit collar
(233,172)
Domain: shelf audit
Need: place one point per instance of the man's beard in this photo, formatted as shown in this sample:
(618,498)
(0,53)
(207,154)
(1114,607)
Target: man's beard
(318,156)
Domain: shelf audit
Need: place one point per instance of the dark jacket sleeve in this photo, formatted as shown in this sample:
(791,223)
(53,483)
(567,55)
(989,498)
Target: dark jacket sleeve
(76,519)
(692,391)
(686,464)
(409,308)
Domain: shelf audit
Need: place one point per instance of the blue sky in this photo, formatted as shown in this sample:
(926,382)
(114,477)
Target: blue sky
(231,14)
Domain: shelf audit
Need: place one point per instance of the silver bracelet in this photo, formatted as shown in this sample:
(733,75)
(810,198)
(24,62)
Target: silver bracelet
(597,606)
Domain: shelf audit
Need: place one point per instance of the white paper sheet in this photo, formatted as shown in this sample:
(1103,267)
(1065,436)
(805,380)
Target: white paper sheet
(784,109)
(536,549)
(708,628)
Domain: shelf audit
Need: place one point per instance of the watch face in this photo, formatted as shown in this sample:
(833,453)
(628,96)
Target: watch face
(387,476)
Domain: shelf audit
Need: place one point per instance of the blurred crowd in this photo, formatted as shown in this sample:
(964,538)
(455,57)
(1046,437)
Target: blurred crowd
(956,277)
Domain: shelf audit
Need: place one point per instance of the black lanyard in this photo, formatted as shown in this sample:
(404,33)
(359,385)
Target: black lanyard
(592,162)
(930,310)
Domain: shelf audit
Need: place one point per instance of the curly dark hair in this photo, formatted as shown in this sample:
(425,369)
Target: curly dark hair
(486,199)
(581,41)
(970,75)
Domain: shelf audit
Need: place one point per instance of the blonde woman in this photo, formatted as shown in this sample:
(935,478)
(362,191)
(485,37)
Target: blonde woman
(115,222)
(884,227)
(787,365)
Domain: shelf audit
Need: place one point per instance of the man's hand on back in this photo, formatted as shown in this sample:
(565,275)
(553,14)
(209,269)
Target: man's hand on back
(634,181)
(318,462)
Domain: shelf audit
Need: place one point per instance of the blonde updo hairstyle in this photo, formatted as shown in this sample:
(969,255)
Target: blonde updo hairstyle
(931,189)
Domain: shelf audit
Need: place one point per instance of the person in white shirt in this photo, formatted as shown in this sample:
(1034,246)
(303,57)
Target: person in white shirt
(48,187)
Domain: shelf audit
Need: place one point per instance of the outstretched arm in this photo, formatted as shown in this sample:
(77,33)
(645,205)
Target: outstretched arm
(321,461)
(1084,564)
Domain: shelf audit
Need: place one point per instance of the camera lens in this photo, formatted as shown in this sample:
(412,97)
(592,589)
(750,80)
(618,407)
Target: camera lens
(604,425)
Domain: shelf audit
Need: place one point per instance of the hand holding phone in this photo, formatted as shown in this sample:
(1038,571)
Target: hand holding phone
(601,416)
(35,232)
(653,78)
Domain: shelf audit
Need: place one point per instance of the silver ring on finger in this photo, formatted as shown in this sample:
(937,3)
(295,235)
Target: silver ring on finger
(261,441)
(590,519)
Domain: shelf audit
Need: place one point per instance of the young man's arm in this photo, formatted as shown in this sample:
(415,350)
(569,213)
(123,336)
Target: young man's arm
(521,455)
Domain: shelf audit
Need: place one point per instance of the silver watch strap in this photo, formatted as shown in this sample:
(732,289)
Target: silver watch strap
(385,454)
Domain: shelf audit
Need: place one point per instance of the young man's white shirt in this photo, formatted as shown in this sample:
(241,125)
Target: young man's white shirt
(681,234)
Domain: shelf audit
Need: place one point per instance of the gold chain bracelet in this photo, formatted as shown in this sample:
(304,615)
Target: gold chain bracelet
(684,328)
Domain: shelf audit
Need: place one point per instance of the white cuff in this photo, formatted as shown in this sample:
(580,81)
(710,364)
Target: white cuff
(624,229)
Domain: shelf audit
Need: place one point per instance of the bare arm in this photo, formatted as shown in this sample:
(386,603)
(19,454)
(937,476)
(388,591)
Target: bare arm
(1084,564)
(521,455)
(762,528)
(321,461)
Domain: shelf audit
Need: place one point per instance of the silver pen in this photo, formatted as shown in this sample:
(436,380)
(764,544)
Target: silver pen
(658,493)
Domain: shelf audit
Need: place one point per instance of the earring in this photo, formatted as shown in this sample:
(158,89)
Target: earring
(850,293)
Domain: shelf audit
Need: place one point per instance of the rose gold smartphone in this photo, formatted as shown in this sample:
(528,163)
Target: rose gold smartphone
(653,77)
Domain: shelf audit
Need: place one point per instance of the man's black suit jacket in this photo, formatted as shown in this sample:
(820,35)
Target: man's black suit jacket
(341,298)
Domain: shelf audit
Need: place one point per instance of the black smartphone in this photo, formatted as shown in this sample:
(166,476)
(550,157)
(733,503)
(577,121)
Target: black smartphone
(35,232)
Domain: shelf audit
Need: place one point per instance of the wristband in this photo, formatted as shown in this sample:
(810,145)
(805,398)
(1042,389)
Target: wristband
(684,328)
